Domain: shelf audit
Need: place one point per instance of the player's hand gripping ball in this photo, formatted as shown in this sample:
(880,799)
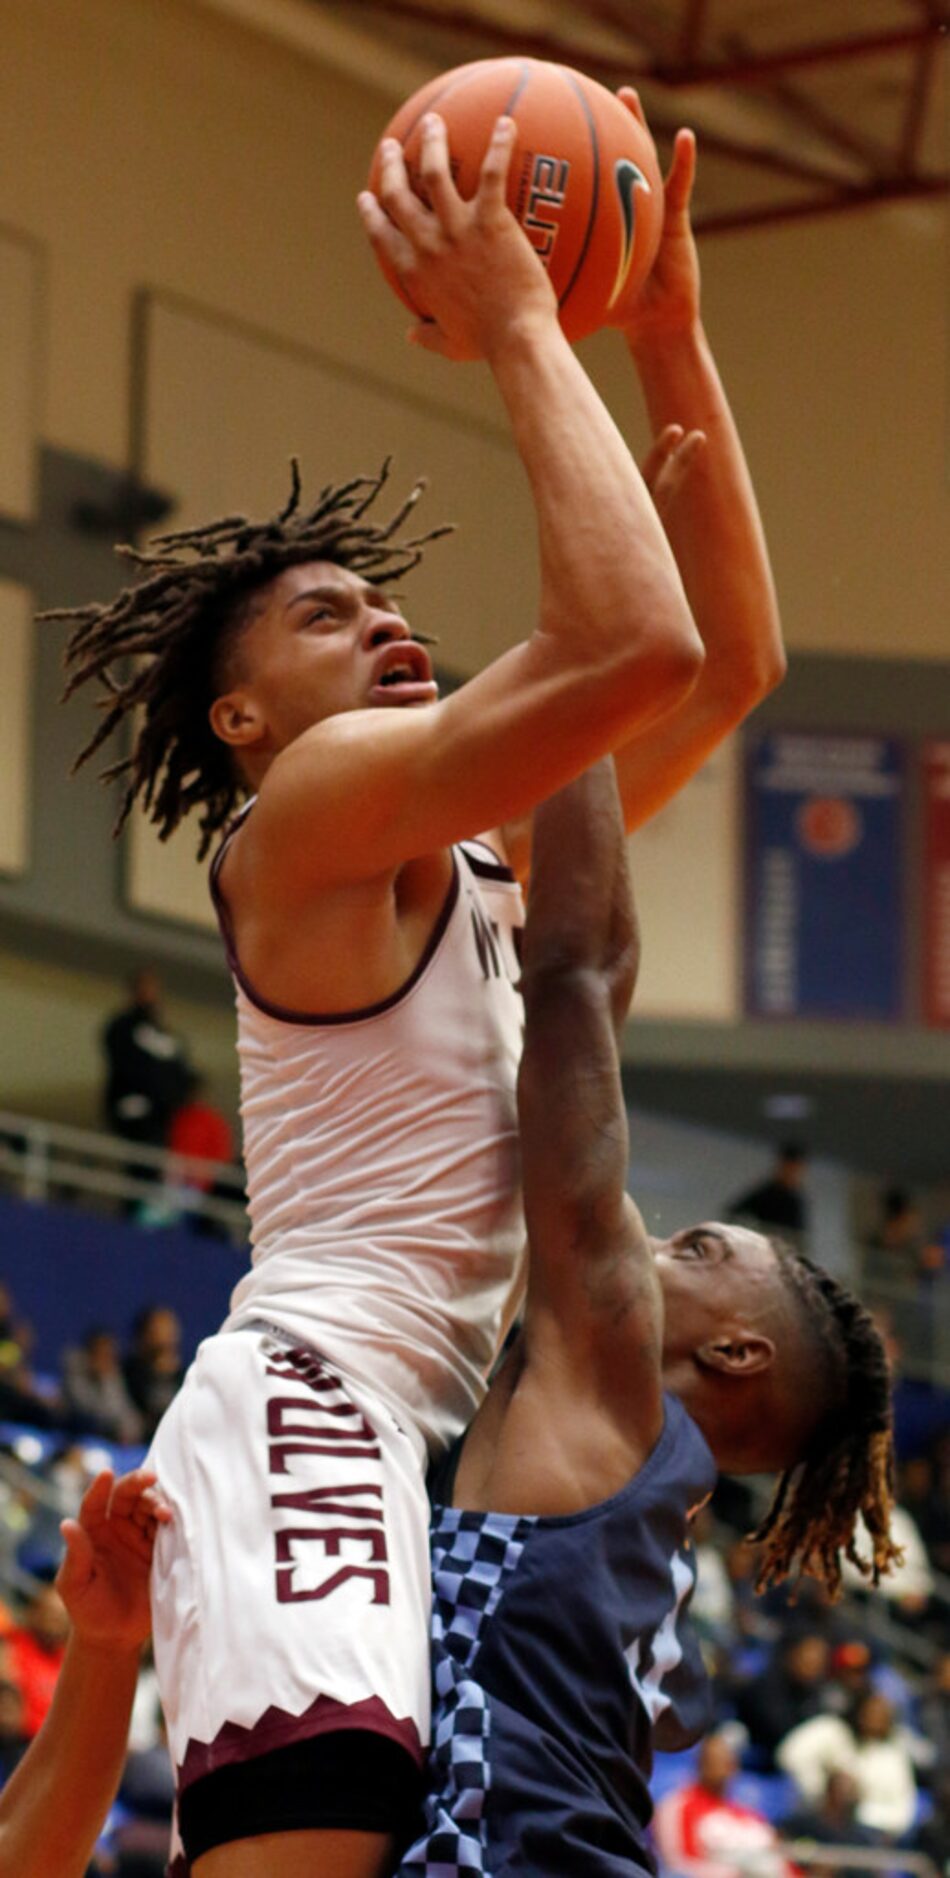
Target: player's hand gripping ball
(584,181)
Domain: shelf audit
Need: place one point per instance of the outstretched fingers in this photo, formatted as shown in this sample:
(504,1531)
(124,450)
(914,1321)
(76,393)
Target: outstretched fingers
(631,98)
(493,175)
(678,187)
(435,175)
(384,235)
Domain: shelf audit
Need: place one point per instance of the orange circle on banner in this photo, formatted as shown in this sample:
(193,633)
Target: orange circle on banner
(829,826)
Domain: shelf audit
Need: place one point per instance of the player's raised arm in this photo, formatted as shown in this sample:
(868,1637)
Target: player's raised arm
(614,647)
(708,506)
(592,1291)
(54,1806)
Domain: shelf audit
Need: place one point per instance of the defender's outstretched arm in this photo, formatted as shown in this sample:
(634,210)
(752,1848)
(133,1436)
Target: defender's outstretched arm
(590,1264)
(54,1806)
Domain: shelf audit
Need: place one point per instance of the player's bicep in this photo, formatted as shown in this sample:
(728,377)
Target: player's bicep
(365,791)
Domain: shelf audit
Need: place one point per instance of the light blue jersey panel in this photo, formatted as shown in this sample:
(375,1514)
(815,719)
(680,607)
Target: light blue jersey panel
(562,1656)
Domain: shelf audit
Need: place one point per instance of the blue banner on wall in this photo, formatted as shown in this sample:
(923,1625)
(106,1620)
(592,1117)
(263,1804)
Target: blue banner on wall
(825,908)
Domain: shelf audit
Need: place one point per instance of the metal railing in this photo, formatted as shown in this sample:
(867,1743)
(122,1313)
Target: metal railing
(47,1161)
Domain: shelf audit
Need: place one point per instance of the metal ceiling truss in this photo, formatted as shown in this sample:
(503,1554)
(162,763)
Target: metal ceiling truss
(857,171)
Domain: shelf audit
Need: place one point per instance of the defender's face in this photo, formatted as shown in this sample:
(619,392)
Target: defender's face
(327,641)
(709,1274)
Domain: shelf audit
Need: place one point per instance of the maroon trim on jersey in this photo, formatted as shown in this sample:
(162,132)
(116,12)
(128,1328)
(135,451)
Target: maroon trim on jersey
(493,869)
(282,1012)
(276,1728)
(179,1867)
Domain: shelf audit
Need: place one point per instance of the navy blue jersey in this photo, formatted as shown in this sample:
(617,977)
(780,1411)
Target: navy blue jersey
(561,1656)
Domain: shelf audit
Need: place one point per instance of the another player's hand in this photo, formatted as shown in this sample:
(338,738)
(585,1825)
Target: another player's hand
(103,1579)
(467,263)
(671,465)
(668,301)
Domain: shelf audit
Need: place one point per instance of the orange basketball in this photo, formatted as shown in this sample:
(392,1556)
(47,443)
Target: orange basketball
(584,180)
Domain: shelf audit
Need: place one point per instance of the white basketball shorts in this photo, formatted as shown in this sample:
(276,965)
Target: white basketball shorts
(291,1592)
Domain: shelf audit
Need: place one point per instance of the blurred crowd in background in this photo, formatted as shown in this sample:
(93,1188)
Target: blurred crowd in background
(831,1723)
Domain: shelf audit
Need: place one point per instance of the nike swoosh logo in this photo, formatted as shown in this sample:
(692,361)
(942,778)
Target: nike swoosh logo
(628,179)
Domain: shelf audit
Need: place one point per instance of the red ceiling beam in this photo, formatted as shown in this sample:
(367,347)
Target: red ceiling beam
(754,68)
(510,39)
(759,67)
(918,98)
(875,195)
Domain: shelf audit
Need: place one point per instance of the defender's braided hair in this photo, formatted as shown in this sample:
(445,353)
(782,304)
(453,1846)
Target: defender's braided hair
(849,1469)
(171,624)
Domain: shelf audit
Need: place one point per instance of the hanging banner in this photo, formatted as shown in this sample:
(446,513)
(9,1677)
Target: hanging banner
(825,908)
(936,894)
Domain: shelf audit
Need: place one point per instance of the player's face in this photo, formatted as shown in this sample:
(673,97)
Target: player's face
(328,641)
(712,1274)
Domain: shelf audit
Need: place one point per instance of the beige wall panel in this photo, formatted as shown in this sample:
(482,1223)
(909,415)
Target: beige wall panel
(16,702)
(163,877)
(153,141)
(226,406)
(19,375)
(686,877)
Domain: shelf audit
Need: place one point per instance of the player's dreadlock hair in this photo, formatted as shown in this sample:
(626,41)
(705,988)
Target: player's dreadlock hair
(849,1468)
(172,623)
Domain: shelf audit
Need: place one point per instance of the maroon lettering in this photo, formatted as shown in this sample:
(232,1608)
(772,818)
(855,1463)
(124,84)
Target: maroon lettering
(331,1539)
(331,1500)
(280,1451)
(286,1594)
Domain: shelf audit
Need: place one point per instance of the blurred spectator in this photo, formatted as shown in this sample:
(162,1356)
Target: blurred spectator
(933,1836)
(901,1233)
(35,1650)
(95,1389)
(21,1397)
(701,1833)
(12,1329)
(833,1821)
(795,1686)
(932,1717)
(198,1128)
(146,1728)
(13,1738)
(866,1745)
(713,1604)
(148,1791)
(919,1492)
(779,1200)
(70,1473)
(154,1369)
(146,1066)
(908,1587)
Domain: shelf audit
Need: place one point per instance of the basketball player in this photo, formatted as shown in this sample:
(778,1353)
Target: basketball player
(374,952)
(560,1553)
(55,1804)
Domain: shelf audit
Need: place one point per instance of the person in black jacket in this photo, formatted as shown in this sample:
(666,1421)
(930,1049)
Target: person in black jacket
(147,1066)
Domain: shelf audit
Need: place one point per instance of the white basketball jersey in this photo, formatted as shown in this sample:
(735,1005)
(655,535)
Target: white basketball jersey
(382,1161)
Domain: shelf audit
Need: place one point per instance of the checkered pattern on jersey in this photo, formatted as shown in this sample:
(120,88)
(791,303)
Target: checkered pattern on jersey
(473,1557)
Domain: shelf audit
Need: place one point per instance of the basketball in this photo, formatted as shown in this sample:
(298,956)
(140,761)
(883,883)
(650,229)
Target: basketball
(584,182)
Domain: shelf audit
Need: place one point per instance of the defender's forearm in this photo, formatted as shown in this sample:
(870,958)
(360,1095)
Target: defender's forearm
(717,535)
(54,1807)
